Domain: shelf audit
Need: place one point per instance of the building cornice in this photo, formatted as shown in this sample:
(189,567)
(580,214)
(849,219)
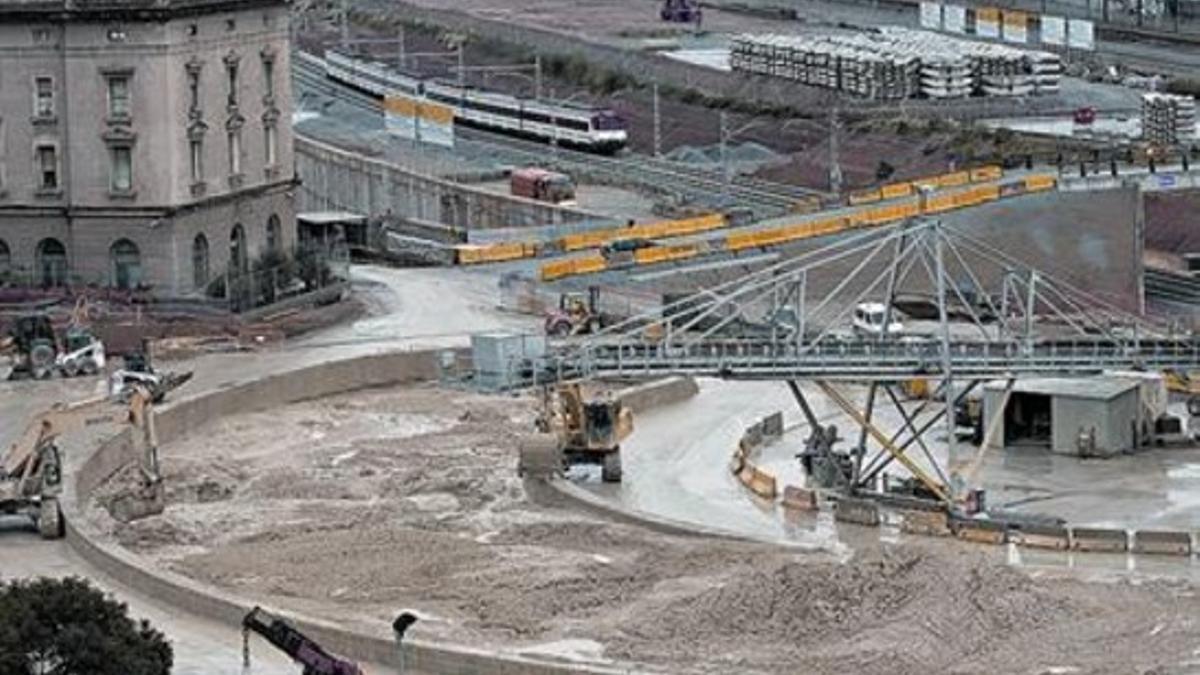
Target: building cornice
(122,10)
(151,211)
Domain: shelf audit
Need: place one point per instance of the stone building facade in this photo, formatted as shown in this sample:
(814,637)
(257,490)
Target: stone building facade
(143,142)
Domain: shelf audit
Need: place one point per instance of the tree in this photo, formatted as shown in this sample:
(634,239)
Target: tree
(69,627)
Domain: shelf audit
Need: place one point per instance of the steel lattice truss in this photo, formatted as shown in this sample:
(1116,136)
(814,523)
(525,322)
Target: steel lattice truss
(990,317)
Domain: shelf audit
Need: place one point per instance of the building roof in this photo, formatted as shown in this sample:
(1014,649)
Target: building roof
(129,10)
(1095,388)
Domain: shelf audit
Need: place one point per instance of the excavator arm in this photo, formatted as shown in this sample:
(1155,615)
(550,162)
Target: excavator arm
(20,463)
(287,639)
(20,457)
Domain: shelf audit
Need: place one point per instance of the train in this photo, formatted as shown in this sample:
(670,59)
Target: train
(581,127)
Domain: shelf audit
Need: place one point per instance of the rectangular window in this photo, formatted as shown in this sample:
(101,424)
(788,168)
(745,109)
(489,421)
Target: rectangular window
(269,143)
(194,88)
(233,83)
(122,169)
(269,76)
(235,153)
(47,167)
(118,96)
(44,103)
(197,156)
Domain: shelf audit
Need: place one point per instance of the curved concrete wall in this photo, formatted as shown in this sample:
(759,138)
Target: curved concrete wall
(297,385)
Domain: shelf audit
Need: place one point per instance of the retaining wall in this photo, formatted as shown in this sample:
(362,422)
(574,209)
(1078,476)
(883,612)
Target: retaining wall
(301,384)
(643,397)
(340,180)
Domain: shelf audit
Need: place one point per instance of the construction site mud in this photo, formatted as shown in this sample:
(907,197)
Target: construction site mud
(355,506)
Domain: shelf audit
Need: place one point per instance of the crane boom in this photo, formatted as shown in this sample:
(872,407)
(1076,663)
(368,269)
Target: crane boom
(302,649)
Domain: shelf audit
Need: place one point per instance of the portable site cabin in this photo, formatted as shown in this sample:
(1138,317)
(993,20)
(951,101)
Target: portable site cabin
(1087,417)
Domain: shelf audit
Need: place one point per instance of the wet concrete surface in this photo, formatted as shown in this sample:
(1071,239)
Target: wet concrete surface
(676,466)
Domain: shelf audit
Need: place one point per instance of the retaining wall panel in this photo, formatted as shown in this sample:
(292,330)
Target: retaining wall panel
(799,499)
(1099,540)
(1162,542)
(981,531)
(857,511)
(926,523)
(1046,537)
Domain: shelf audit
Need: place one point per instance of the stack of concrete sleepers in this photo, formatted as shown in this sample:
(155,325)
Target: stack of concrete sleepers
(946,78)
(861,64)
(996,70)
(895,62)
(1168,119)
(1047,71)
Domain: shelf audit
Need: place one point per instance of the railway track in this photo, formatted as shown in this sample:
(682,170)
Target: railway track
(689,184)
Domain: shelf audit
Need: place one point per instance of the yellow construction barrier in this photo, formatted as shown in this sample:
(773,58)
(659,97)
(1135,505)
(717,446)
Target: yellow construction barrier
(472,255)
(592,239)
(655,230)
(573,266)
(864,197)
(590,264)
(941,203)
(986,173)
(896,190)
(557,269)
(1040,182)
(952,179)
(937,202)
(658,254)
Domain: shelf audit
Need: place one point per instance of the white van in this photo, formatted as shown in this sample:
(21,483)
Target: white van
(868,320)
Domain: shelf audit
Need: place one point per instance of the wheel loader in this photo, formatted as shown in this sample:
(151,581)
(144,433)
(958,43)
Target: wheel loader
(31,471)
(589,431)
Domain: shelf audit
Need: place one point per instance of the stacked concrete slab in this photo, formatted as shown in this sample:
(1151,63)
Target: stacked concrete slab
(853,63)
(1168,119)
(895,62)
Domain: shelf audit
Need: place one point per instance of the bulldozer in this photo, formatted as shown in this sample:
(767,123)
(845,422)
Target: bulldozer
(31,470)
(589,431)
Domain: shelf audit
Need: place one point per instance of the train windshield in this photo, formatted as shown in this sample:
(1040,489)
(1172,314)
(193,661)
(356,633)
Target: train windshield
(607,121)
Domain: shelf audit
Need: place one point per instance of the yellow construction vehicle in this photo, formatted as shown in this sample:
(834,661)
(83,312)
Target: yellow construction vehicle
(31,471)
(588,431)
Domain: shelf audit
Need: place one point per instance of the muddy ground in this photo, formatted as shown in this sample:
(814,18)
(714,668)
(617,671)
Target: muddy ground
(356,506)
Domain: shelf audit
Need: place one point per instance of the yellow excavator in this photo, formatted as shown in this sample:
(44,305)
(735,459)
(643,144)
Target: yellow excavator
(31,470)
(589,431)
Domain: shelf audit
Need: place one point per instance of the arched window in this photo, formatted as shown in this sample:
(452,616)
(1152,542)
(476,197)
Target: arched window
(274,234)
(126,264)
(5,261)
(238,256)
(51,261)
(200,262)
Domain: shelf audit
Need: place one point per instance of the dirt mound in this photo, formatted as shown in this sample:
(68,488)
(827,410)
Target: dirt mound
(887,604)
(351,507)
